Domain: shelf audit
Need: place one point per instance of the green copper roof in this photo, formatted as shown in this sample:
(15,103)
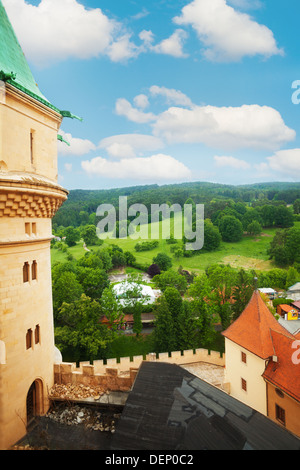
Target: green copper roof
(14,68)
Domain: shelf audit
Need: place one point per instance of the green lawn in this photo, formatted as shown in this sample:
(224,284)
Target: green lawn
(249,253)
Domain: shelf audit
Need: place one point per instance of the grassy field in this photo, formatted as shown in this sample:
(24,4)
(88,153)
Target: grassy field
(249,253)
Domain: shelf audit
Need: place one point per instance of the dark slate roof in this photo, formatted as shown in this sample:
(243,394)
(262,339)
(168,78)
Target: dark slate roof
(171,409)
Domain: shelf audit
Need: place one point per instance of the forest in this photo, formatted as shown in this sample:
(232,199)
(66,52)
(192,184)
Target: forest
(199,299)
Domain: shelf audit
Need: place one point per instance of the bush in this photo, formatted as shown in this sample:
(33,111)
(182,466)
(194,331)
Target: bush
(153,270)
(231,229)
(163,261)
(146,246)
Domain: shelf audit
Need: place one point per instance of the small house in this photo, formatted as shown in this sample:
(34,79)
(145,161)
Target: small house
(270,293)
(294,292)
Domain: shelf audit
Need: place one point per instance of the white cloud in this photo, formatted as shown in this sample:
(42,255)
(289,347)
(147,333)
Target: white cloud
(123,49)
(173,45)
(130,145)
(231,162)
(227,34)
(56,30)
(173,96)
(147,37)
(124,108)
(140,15)
(141,101)
(78,147)
(158,167)
(286,162)
(248,126)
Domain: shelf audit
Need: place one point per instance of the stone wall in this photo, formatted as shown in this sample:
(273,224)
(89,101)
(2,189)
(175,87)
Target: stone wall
(120,374)
(111,379)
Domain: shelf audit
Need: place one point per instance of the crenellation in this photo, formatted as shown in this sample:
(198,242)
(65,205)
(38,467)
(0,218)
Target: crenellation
(124,364)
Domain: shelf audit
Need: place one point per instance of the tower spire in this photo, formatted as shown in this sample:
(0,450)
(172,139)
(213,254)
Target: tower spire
(14,68)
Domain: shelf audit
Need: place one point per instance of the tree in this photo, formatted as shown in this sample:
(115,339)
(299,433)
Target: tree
(93,281)
(89,235)
(130,258)
(275,278)
(251,215)
(91,259)
(204,309)
(163,261)
(296,206)
(231,229)
(222,280)
(212,236)
(134,301)
(254,228)
(111,308)
(284,248)
(267,213)
(118,258)
(153,270)
(292,244)
(242,292)
(164,333)
(72,236)
(283,217)
(292,277)
(174,301)
(105,256)
(187,333)
(81,332)
(65,288)
(170,279)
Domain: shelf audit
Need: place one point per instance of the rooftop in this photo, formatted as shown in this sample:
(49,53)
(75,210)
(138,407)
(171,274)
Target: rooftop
(14,68)
(295,287)
(171,409)
(253,327)
(292,326)
(286,308)
(284,373)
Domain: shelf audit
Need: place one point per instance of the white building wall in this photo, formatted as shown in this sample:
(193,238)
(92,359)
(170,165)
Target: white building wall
(235,370)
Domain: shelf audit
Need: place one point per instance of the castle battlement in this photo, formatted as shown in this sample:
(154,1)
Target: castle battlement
(119,374)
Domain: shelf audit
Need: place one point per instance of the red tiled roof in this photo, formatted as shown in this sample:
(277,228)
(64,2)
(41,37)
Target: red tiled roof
(286,308)
(285,374)
(252,330)
(296,304)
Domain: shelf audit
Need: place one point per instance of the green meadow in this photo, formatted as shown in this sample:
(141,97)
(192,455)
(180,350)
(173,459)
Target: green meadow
(250,253)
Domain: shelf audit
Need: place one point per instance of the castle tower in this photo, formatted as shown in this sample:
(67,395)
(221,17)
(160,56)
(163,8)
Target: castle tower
(29,198)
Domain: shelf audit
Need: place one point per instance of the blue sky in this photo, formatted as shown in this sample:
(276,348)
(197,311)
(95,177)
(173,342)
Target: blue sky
(171,90)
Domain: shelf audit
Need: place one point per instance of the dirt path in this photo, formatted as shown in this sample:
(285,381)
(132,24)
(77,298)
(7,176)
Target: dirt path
(237,261)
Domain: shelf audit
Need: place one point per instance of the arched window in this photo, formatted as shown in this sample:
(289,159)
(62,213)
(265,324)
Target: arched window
(2,353)
(37,334)
(34,271)
(26,272)
(29,339)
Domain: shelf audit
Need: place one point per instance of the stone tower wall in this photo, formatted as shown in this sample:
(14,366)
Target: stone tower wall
(29,198)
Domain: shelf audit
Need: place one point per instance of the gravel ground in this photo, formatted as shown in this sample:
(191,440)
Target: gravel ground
(71,427)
